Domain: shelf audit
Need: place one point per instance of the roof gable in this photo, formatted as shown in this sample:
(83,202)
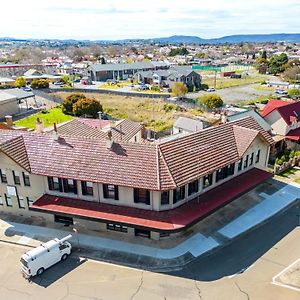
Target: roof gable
(272,105)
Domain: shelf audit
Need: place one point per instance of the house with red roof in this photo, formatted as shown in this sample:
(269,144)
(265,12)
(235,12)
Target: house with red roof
(284,118)
(119,186)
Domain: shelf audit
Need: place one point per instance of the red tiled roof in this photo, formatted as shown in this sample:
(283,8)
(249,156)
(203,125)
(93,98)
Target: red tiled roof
(274,104)
(171,220)
(161,166)
(123,130)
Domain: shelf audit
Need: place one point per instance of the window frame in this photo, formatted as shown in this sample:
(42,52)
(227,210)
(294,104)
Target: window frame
(85,189)
(208,177)
(6,200)
(21,199)
(193,187)
(26,179)
(251,159)
(164,198)
(117,227)
(110,191)
(141,198)
(257,156)
(17,179)
(246,161)
(3,176)
(179,191)
(1,201)
(29,201)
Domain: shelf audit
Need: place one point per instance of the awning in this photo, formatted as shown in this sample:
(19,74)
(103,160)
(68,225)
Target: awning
(293,135)
(170,220)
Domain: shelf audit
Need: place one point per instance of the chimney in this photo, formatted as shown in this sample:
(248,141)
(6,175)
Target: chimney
(39,126)
(9,121)
(224,118)
(55,133)
(109,141)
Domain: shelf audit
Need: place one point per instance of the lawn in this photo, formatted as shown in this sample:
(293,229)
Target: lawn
(224,82)
(154,113)
(53,115)
(288,172)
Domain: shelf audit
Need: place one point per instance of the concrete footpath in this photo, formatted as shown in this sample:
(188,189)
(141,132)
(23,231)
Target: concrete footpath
(149,257)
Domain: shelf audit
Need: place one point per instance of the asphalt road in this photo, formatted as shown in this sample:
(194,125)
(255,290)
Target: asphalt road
(268,250)
(244,251)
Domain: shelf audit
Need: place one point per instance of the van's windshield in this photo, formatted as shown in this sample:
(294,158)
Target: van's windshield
(24,262)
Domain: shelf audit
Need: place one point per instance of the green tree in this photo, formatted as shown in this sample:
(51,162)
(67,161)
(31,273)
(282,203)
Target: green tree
(179,89)
(211,100)
(87,106)
(67,105)
(20,82)
(67,80)
(264,55)
(178,51)
(39,84)
(277,63)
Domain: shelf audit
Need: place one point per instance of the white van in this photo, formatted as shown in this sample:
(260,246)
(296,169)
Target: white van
(37,260)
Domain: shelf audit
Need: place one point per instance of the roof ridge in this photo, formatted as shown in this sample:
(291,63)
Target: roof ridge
(168,169)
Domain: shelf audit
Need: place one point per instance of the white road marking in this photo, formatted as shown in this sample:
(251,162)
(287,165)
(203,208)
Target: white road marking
(280,273)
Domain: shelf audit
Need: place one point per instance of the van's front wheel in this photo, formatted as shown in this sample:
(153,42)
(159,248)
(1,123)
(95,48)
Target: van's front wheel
(40,271)
(64,257)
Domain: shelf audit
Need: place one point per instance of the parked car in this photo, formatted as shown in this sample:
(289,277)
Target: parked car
(27,89)
(143,88)
(36,261)
(58,83)
(211,90)
(281,92)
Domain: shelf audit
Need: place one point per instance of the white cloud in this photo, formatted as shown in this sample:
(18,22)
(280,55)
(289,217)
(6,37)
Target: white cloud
(115,19)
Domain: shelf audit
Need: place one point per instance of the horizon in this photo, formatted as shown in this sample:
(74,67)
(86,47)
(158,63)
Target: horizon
(34,19)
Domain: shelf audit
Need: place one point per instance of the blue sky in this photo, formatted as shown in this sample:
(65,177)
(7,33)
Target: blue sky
(112,19)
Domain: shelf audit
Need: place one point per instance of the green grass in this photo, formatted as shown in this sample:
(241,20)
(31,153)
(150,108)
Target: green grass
(264,88)
(53,115)
(297,180)
(224,82)
(288,172)
(260,99)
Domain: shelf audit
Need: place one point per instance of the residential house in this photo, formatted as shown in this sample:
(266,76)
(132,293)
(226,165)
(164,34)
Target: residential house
(143,189)
(8,104)
(167,78)
(187,125)
(103,72)
(283,117)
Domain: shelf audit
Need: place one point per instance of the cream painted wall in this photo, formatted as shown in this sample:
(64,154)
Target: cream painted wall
(277,123)
(9,108)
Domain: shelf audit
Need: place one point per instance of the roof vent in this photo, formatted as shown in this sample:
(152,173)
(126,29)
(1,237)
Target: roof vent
(39,126)
(9,121)
(55,133)
(109,141)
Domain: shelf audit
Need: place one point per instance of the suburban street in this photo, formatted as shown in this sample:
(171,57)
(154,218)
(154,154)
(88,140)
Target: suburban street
(242,270)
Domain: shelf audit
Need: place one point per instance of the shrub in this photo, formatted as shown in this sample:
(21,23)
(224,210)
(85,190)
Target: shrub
(87,106)
(204,86)
(294,92)
(179,89)
(39,84)
(155,88)
(20,82)
(169,107)
(67,105)
(211,100)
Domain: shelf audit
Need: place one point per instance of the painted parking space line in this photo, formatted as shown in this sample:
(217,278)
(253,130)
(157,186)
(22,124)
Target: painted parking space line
(283,271)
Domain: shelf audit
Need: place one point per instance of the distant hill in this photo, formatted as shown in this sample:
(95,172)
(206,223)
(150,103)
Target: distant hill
(182,39)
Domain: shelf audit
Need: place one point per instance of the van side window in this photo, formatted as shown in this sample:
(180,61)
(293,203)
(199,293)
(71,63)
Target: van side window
(63,246)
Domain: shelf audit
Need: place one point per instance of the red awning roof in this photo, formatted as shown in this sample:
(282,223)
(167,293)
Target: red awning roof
(293,134)
(171,220)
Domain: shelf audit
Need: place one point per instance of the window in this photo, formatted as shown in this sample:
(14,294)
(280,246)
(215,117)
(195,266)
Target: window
(1,200)
(193,187)
(116,227)
(87,188)
(111,191)
(69,186)
(240,164)
(62,185)
(8,200)
(26,179)
(16,176)
(21,202)
(246,161)
(141,196)
(231,169)
(142,233)
(55,184)
(29,201)
(3,176)
(178,194)
(207,180)
(257,156)
(251,159)
(164,198)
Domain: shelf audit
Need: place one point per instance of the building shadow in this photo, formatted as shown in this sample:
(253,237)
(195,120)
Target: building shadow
(58,271)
